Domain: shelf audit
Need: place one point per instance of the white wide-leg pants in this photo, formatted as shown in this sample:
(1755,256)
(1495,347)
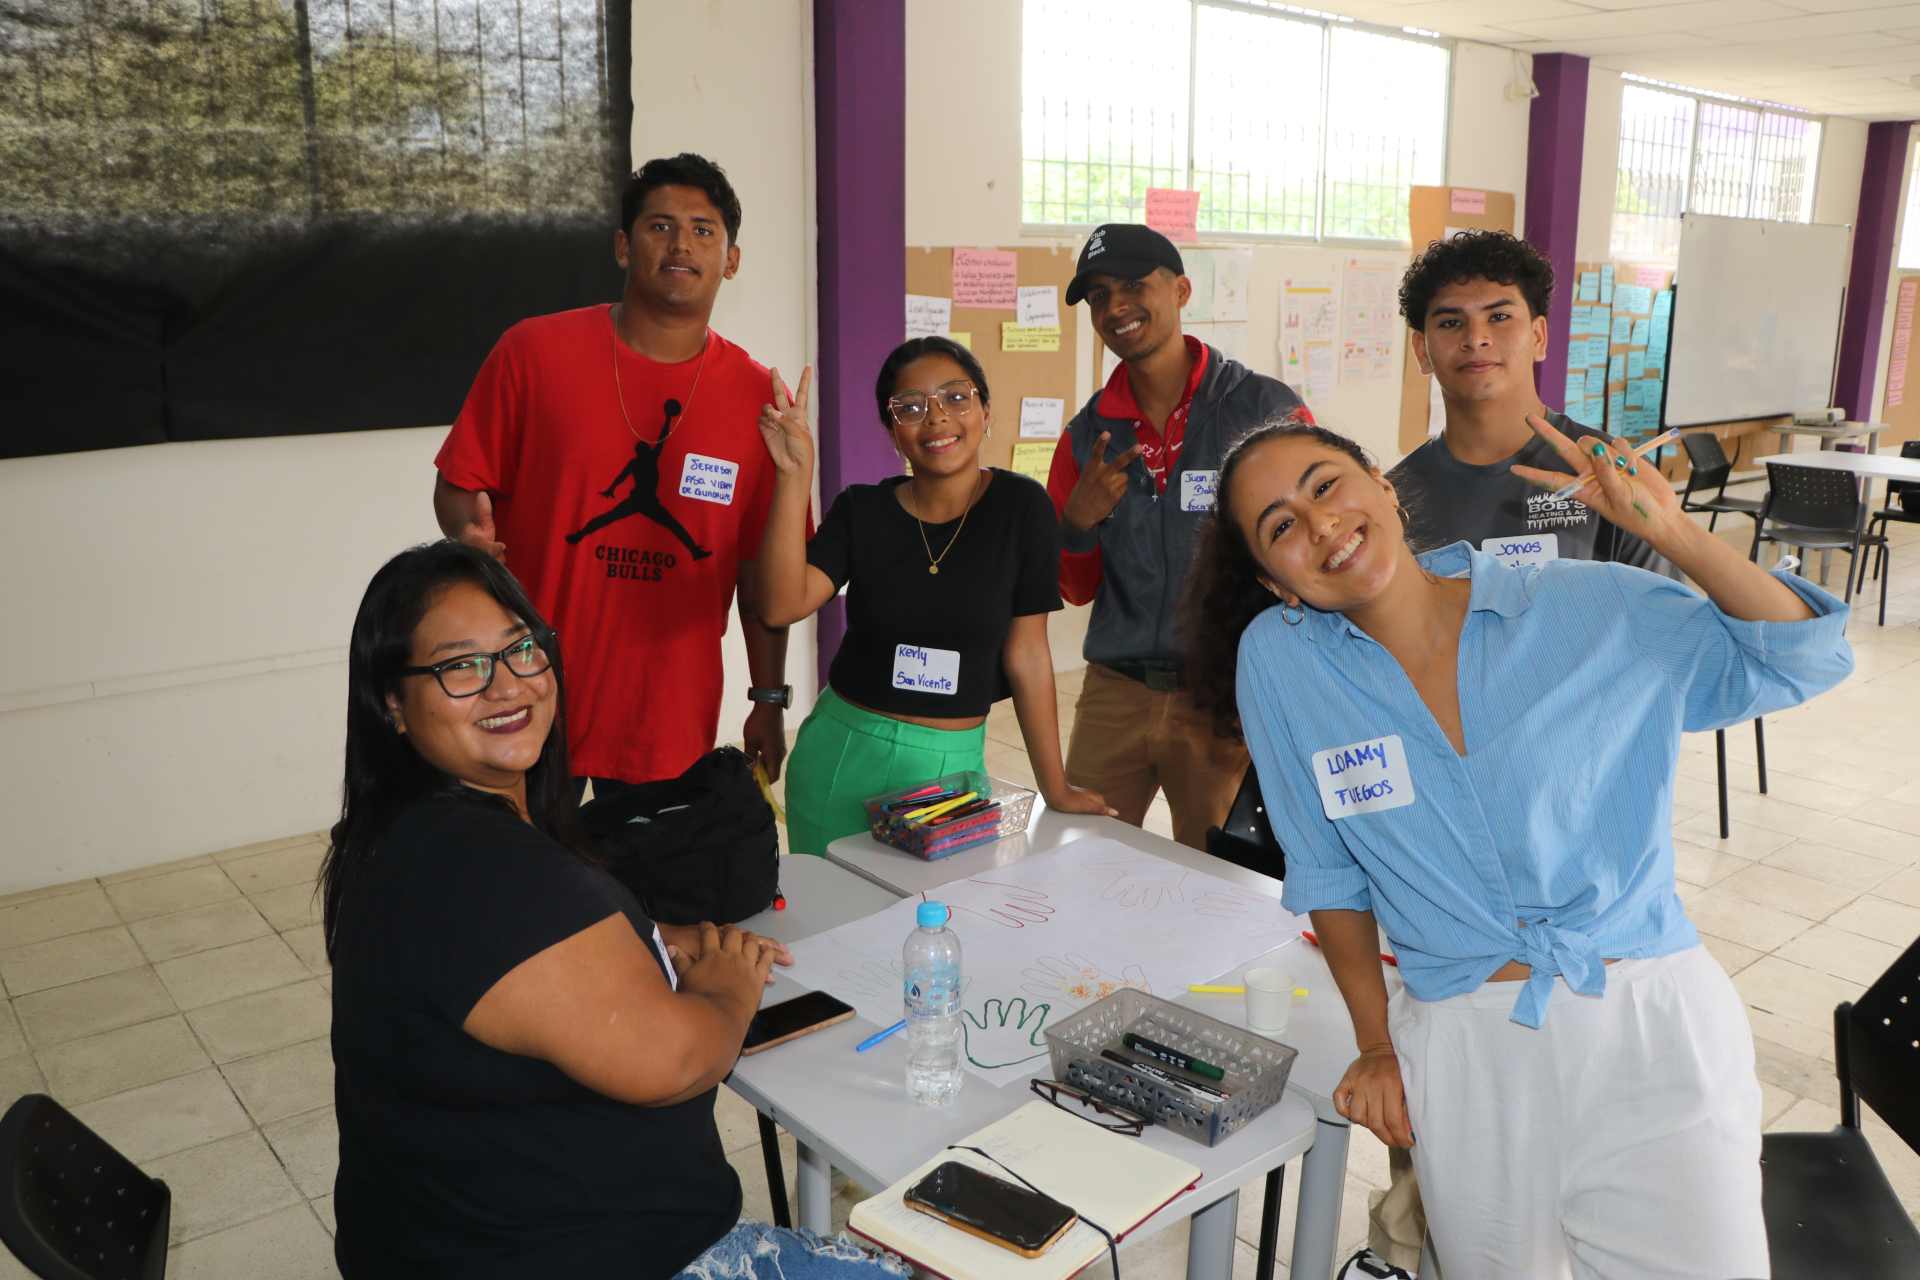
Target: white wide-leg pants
(1621,1140)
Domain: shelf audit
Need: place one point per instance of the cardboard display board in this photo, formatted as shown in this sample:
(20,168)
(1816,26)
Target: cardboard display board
(1432,213)
(1037,366)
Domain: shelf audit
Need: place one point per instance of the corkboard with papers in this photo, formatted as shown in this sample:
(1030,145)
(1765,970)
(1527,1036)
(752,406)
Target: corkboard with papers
(1024,362)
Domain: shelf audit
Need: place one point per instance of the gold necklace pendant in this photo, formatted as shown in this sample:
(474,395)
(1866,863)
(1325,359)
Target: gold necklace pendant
(933,568)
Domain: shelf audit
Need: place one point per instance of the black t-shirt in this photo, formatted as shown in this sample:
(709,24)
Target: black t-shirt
(931,644)
(457,1159)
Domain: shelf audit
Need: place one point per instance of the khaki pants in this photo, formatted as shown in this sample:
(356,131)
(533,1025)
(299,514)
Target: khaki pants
(1396,1220)
(1130,741)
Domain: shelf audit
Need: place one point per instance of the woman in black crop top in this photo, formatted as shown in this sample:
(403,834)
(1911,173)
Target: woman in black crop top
(950,575)
(524,1065)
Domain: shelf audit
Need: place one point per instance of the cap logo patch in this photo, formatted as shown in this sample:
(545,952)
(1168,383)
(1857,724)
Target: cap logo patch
(1096,245)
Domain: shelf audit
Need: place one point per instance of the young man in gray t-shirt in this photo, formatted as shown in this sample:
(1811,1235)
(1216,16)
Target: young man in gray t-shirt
(1477,306)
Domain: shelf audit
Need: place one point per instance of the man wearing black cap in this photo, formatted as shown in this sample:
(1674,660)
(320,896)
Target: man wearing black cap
(1131,478)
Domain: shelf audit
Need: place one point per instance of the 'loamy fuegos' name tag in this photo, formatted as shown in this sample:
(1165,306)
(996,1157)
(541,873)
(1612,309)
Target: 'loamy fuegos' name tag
(1363,777)
(926,670)
(709,479)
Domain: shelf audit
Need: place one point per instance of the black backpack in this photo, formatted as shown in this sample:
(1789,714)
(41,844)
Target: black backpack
(698,847)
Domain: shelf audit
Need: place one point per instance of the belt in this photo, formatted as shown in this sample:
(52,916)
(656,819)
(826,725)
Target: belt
(1161,677)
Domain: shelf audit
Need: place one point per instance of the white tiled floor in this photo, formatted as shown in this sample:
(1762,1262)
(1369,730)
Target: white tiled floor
(182,1010)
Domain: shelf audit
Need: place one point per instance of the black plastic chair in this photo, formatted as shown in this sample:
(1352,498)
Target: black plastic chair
(73,1208)
(1710,471)
(1829,1209)
(1818,509)
(1906,494)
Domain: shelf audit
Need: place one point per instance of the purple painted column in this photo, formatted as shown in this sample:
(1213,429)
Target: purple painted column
(1556,138)
(860,155)
(1872,260)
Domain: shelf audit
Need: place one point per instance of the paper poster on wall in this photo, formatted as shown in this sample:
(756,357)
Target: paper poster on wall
(1229,339)
(1174,214)
(1016,337)
(1606,285)
(1199,267)
(1903,308)
(1309,326)
(986,278)
(1039,305)
(1041,416)
(928,317)
(1465,201)
(1232,269)
(1589,286)
(1033,459)
(1369,315)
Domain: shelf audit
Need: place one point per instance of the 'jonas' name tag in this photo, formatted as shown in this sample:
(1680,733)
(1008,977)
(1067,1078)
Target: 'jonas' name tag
(1528,548)
(1197,490)
(1363,777)
(709,479)
(926,670)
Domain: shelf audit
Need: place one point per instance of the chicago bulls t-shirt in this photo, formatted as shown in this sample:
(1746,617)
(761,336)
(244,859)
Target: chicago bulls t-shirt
(626,528)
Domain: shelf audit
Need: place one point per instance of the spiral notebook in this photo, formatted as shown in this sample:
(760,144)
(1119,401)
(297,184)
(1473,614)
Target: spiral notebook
(1118,1182)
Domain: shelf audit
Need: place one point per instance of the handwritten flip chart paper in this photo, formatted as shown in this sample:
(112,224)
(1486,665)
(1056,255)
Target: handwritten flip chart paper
(1174,214)
(1029,337)
(1039,305)
(986,278)
(1034,461)
(1464,201)
(1369,318)
(1041,416)
(1045,937)
(1903,308)
(1232,269)
(928,317)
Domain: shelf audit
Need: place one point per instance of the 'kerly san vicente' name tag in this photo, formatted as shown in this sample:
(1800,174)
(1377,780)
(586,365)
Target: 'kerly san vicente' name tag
(1363,777)
(1197,490)
(1523,549)
(709,479)
(926,670)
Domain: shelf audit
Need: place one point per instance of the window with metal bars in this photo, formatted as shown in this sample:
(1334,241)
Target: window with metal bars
(1683,151)
(1287,121)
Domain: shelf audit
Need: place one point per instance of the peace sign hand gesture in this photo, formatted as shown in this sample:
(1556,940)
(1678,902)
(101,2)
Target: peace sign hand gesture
(783,426)
(1621,487)
(1101,486)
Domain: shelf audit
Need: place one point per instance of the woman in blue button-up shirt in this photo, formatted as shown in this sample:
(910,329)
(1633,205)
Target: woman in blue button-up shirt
(1480,759)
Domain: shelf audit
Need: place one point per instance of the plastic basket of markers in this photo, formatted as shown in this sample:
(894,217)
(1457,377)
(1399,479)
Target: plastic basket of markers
(944,815)
(1198,1076)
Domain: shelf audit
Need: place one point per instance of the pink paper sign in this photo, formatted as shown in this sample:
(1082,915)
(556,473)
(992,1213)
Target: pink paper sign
(987,278)
(1465,201)
(1174,214)
(1902,343)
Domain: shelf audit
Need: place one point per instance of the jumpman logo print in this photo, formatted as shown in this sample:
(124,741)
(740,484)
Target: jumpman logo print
(643,499)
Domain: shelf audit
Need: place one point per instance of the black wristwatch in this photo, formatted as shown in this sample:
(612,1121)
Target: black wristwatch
(781,697)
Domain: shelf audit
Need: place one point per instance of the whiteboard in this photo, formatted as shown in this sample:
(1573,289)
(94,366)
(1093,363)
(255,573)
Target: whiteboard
(1756,318)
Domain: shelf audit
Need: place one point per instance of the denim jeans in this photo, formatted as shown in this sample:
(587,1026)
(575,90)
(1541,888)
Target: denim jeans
(760,1251)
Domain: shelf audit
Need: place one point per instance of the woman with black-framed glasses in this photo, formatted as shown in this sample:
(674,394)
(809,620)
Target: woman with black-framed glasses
(524,1064)
(950,573)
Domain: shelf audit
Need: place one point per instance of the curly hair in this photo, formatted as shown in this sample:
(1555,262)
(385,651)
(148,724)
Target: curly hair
(1499,256)
(1224,591)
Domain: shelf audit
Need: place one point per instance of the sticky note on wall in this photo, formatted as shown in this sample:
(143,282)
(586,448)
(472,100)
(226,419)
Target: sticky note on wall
(986,278)
(1029,337)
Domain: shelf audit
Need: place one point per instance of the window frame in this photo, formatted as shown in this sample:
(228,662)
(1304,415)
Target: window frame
(1328,22)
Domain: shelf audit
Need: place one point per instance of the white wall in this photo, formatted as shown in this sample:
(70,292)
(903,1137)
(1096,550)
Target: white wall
(1599,165)
(179,613)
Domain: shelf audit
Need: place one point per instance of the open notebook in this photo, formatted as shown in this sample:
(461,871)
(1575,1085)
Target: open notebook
(1116,1181)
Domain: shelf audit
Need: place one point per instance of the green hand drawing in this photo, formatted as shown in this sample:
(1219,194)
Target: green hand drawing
(999,1035)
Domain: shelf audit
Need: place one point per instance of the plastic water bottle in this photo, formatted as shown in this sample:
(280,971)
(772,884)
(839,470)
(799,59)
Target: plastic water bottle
(931,963)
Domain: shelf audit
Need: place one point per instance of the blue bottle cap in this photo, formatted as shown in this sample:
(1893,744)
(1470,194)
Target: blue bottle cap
(931,915)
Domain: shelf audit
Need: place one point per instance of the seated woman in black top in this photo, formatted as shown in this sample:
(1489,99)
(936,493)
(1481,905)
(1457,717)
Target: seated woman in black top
(525,1065)
(950,575)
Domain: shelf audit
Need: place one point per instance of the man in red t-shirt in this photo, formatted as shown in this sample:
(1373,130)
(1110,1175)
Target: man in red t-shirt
(609,455)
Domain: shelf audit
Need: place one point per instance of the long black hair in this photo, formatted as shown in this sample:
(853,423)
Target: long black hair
(384,774)
(1224,591)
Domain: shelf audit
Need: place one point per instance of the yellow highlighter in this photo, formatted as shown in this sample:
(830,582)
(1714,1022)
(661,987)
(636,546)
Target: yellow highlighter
(931,812)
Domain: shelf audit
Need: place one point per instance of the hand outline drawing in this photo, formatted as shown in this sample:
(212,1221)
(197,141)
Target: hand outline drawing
(1023,906)
(1075,978)
(1005,1033)
(1134,889)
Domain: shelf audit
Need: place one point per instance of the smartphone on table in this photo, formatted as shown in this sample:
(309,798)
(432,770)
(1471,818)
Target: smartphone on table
(779,1023)
(1001,1212)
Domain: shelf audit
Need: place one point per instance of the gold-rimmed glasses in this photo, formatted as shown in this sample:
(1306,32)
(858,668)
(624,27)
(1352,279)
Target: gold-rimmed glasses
(910,408)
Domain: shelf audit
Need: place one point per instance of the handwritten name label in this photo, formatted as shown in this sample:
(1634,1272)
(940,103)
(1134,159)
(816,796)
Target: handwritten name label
(1363,777)
(709,479)
(1197,490)
(1524,549)
(923,670)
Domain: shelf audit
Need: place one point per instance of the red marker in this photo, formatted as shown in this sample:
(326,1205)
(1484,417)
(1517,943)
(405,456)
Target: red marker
(1384,957)
(779,900)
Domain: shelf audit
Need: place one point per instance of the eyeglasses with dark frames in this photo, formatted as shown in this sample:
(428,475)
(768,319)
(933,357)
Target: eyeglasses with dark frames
(1107,1116)
(910,408)
(471,674)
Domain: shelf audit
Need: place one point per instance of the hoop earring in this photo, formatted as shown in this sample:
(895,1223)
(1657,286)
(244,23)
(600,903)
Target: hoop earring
(1294,619)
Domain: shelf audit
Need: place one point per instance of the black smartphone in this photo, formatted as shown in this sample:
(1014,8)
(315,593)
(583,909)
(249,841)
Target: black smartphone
(779,1023)
(1005,1213)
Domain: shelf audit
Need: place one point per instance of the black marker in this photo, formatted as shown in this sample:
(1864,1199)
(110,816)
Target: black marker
(1172,1057)
(1151,1072)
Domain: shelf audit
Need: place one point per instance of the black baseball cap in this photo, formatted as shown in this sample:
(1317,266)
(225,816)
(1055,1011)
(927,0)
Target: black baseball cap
(1126,250)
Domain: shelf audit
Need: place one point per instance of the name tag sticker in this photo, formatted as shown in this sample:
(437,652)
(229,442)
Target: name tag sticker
(1363,777)
(673,979)
(1197,490)
(1525,549)
(709,479)
(926,670)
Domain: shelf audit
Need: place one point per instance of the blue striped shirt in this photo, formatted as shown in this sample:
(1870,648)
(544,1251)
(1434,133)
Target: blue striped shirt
(1550,842)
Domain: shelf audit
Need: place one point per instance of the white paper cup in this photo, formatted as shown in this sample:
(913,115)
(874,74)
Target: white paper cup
(1269,1000)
